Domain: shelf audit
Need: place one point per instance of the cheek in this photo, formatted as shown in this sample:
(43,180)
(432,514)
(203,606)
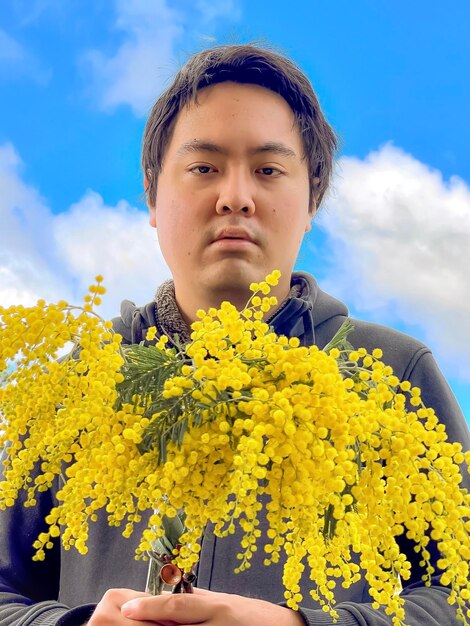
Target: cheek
(176,230)
(290,223)
(167,217)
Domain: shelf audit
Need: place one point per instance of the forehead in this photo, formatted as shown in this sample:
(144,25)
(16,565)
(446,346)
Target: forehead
(235,115)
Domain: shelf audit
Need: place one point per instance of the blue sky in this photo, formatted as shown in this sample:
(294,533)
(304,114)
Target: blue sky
(393,238)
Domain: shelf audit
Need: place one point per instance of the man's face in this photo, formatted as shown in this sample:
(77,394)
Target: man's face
(232,200)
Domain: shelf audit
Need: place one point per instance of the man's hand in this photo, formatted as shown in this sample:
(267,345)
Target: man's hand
(208,608)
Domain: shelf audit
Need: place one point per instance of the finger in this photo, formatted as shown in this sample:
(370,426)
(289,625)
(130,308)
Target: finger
(202,592)
(108,610)
(118,597)
(182,608)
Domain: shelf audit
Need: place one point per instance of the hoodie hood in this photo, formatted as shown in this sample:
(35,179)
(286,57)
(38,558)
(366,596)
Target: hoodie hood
(313,316)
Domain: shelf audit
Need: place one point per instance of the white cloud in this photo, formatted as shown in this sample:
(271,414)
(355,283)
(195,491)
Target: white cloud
(118,243)
(211,10)
(16,61)
(10,49)
(137,71)
(134,74)
(49,256)
(27,255)
(30,11)
(400,241)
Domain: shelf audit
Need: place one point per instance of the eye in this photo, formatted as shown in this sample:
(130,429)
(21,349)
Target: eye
(202,169)
(272,172)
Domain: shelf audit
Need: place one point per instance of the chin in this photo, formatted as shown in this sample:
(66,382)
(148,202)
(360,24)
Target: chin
(240,282)
(233,285)
(238,274)
(228,284)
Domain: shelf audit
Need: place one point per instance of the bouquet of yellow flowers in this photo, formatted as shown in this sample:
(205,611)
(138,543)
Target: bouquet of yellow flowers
(338,454)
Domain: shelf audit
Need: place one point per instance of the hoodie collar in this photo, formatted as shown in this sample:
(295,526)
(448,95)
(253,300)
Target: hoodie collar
(302,314)
(304,310)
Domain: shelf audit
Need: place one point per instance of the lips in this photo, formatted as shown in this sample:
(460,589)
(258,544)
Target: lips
(232,233)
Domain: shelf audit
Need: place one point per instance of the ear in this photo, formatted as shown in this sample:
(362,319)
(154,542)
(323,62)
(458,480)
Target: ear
(152,217)
(151,208)
(312,209)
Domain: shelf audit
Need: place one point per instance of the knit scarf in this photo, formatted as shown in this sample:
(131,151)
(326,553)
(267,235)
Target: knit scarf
(169,319)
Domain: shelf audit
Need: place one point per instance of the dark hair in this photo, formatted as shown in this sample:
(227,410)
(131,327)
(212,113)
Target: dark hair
(243,64)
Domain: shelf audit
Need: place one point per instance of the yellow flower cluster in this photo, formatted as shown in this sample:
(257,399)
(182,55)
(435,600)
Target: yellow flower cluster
(52,408)
(339,455)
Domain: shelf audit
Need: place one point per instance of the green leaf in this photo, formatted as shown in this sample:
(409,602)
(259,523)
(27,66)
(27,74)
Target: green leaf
(145,372)
(174,527)
(339,340)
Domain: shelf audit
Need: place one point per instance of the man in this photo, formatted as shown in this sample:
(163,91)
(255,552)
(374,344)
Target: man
(237,157)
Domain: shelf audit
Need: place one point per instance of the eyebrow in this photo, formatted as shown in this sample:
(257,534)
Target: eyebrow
(198,145)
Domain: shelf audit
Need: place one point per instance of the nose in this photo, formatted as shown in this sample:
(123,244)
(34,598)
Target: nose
(235,195)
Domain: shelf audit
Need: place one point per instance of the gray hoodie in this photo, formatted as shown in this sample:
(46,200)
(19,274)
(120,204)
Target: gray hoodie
(65,587)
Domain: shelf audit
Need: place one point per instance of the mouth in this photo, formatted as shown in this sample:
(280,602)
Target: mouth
(230,244)
(233,236)
(233,242)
